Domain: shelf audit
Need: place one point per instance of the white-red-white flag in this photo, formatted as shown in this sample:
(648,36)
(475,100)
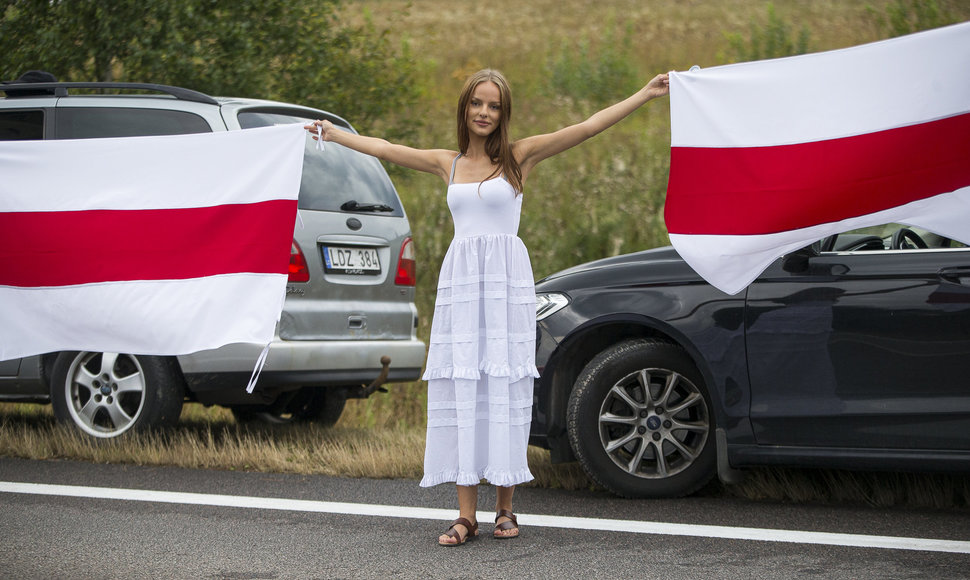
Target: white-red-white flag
(769,156)
(146,245)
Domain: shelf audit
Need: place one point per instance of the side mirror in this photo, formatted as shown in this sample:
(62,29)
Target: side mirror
(798,260)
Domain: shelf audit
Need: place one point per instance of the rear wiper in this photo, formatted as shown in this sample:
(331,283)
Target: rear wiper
(352,205)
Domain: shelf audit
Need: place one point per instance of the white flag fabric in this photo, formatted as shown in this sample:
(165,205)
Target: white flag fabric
(768,157)
(146,245)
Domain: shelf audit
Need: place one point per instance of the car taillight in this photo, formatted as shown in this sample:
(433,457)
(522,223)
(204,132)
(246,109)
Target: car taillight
(406,266)
(298,271)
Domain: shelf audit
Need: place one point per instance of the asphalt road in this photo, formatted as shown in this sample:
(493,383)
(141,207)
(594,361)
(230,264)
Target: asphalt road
(237,526)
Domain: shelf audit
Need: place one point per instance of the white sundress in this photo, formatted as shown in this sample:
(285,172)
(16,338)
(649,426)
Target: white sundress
(481,360)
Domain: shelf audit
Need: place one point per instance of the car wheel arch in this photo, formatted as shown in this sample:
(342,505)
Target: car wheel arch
(586,341)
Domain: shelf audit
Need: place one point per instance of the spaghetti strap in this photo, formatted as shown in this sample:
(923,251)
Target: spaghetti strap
(451,178)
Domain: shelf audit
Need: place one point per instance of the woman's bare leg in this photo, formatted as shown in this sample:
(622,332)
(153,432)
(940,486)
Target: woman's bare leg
(503,501)
(467,508)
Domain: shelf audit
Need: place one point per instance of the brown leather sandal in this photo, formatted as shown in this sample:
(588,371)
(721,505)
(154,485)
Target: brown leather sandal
(508,525)
(453,533)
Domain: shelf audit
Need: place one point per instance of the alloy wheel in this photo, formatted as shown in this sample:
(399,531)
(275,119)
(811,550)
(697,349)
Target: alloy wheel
(105,392)
(653,423)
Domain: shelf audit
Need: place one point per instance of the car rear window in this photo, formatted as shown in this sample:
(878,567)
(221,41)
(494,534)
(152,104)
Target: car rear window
(92,123)
(336,175)
(21,125)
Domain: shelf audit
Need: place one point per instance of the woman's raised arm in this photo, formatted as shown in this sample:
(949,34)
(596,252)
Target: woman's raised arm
(531,150)
(435,161)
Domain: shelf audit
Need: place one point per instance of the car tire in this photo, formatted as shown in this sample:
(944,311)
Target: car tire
(321,405)
(107,394)
(616,426)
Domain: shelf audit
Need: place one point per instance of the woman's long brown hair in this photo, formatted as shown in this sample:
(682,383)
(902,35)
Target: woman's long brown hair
(497,145)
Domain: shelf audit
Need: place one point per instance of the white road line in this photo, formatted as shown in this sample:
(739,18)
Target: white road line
(629,526)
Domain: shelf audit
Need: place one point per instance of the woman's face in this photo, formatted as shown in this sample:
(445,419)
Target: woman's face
(484,109)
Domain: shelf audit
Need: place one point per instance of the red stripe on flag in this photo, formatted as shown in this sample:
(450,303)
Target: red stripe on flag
(82,247)
(761,190)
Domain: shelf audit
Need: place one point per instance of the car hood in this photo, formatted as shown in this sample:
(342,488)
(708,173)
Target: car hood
(659,264)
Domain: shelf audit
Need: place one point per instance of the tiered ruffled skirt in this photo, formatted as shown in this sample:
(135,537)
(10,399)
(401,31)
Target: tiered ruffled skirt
(481,364)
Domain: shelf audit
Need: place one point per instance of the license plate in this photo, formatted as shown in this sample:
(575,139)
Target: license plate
(349,260)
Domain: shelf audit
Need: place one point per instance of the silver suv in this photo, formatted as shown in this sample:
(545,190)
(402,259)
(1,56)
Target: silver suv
(349,321)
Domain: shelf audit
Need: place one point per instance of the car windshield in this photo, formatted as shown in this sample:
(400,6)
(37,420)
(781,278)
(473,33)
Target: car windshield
(335,176)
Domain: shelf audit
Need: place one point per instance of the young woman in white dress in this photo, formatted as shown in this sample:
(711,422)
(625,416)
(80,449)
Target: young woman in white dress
(481,358)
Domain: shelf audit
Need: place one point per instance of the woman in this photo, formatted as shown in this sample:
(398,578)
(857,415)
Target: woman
(481,360)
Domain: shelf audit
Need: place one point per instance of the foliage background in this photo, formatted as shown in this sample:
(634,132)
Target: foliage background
(299,51)
(564,60)
(394,68)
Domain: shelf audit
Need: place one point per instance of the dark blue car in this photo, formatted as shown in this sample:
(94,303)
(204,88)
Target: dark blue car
(853,353)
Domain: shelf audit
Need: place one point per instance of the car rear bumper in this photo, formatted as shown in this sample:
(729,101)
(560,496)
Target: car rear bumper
(306,355)
(293,364)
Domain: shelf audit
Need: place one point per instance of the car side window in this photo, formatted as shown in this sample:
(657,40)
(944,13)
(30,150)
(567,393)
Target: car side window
(98,122)
(22,125)
(885,237)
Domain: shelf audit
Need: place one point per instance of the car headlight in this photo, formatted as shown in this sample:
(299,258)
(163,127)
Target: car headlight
(549,304)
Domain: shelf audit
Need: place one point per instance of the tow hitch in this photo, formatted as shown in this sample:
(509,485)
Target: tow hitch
(362,392)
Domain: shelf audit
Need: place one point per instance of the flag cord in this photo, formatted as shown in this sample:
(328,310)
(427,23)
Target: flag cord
(258,369)
(320,144)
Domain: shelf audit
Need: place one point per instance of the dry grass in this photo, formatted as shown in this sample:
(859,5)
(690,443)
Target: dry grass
(922,490)
(209,438)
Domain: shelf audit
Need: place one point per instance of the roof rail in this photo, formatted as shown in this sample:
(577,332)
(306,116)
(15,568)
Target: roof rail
(60,89)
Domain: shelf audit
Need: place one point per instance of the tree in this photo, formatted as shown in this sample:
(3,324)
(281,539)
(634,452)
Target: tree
(291,50)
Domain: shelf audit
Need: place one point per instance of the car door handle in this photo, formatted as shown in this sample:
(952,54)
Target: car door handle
(956,275)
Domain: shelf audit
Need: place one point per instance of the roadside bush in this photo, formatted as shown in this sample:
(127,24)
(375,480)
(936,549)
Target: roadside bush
(774,39)
(908,16)
(597,76)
